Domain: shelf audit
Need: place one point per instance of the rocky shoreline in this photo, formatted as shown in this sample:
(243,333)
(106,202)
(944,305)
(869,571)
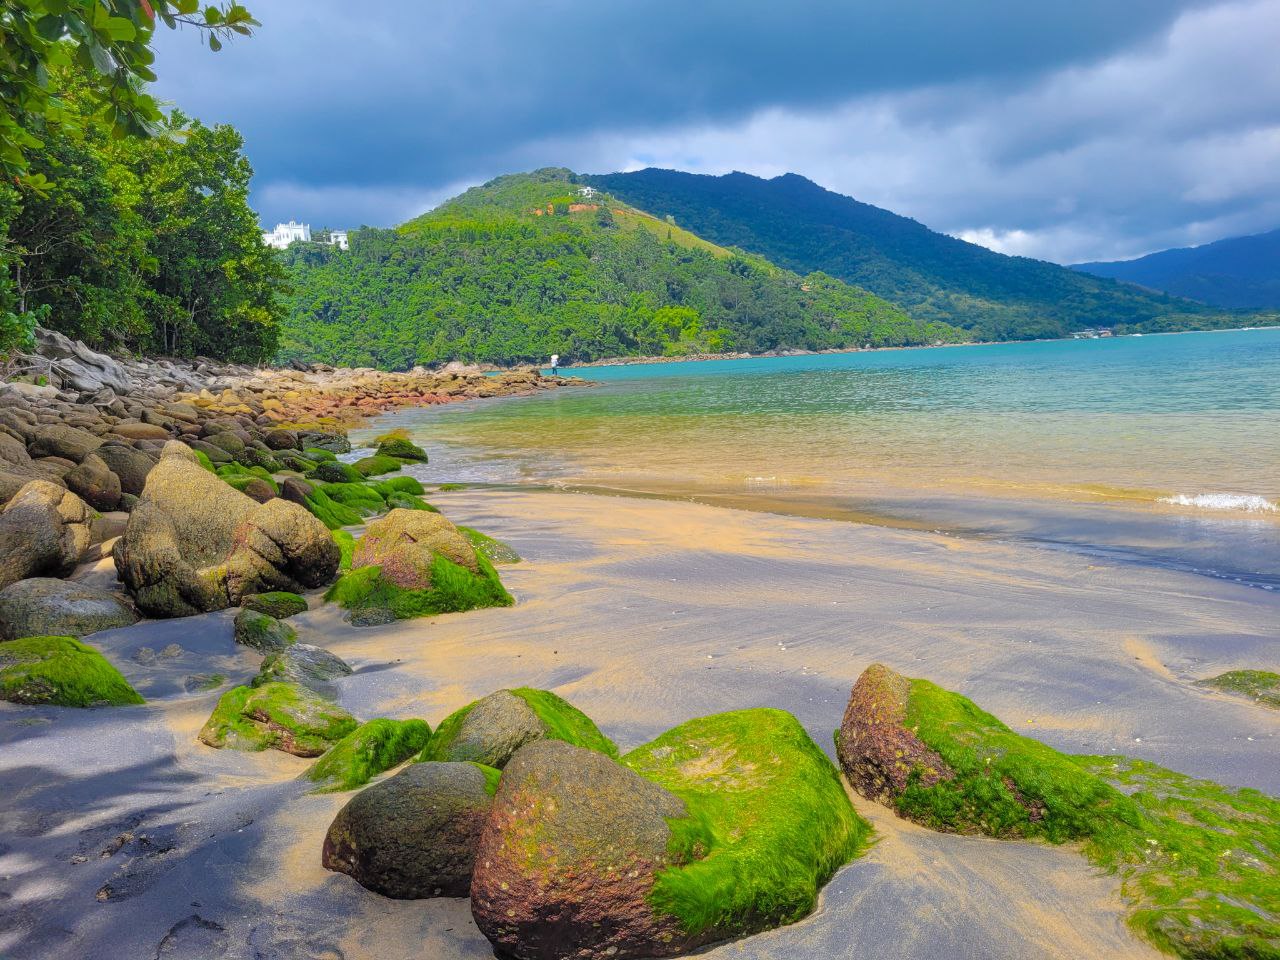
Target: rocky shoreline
(194,489)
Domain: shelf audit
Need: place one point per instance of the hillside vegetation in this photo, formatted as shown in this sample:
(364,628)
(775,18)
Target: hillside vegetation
(525,266)
(800,226)
(1239,272)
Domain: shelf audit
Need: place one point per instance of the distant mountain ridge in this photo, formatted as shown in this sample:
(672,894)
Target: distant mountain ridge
(1238,272)
(801,226)
(534,264)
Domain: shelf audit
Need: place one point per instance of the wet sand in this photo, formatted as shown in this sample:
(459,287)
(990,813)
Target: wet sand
(643,613)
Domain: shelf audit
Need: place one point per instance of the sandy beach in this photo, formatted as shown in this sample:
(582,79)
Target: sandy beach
(125,837)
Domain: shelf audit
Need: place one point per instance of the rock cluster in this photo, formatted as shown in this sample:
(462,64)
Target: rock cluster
(721,827)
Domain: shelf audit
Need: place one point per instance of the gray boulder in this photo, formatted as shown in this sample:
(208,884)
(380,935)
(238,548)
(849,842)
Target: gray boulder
(43,606)
(263,633)
(309,666)
(76,367)
(195,544)
(129,464)
(413,835)
(60,440)
(44,529)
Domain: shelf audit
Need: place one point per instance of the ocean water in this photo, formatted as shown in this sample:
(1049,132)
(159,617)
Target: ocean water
(1157,449)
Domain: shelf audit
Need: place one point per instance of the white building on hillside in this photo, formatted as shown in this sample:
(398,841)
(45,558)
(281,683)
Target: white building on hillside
(286,233)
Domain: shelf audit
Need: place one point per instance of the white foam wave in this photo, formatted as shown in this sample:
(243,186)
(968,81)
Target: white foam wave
(1243,502)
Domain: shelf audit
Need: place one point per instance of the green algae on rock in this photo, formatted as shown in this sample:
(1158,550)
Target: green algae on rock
(372,748)
(490,730)
(1260,686)
(377,465)
(403,484)
(331,471)
(495,550)
(1199,863)
(361,497)
(346,549)
(306,665)
(401,448)
(60,671)
(280,716)
(280,604)
(262,632)
(768,822)
(413,835)
(414,563)
(330,512)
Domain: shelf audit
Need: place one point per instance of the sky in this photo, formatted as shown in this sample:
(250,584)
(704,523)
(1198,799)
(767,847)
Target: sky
(1091,130)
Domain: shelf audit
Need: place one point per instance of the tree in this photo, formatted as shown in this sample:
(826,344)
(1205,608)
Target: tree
(140,244)
(107,45)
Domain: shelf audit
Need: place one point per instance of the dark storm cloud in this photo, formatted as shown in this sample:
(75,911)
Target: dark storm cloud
(371,112)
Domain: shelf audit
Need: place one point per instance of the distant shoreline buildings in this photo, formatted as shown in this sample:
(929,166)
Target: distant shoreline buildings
(292,232)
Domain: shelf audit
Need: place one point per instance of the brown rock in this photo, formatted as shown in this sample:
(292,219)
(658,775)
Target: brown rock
(876,749)
(44,529)
(568,858)
(59,440)
(94,483)
(140,431)
(129,464)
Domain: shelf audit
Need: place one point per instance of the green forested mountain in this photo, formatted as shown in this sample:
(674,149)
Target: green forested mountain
(803,227)
(1237,272)
(526,266)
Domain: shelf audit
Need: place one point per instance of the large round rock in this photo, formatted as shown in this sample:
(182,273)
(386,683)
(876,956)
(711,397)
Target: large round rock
(568,858)
(43,529)
(194,544)
(414,835)
(43,606)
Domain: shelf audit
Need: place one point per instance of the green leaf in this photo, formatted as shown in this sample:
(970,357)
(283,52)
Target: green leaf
(118,28)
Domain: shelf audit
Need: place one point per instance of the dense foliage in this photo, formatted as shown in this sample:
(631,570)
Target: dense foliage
(139,244)
(799,225)
(1239,272)
(524,267)
(106,46)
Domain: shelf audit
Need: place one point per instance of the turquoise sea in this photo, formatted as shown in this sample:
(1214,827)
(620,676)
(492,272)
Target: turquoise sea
(1158,449)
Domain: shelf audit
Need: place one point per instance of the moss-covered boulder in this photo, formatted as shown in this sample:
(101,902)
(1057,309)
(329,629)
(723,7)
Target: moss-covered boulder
(331,471)
(279,716)
(413,835)
(569,855)
(407,501)
(61,671)
(194,544)
(939,760)
(331,513)
(495,550)
(1199,863)
(414,563)
(1260,686)
(361,497)
(402,484)
(492,729)
(372,748)
(306,665)
(45,606)
(280,604)
(261,632)
(401,448)
(377,465)
(768,822)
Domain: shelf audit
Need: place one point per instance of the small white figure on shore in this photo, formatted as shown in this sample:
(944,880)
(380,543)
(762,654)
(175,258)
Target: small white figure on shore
(555,364)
